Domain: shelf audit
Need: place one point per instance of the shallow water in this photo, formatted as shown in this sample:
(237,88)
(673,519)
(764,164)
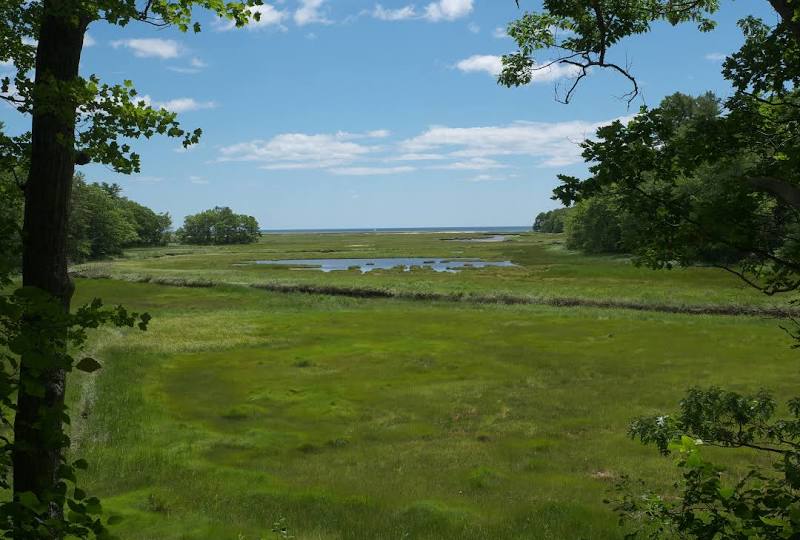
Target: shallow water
(494,238)
(367,265)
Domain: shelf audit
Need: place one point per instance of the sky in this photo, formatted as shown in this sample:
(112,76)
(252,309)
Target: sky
(357,114)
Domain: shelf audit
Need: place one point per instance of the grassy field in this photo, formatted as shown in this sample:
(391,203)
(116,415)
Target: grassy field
(350,418)
(545,268)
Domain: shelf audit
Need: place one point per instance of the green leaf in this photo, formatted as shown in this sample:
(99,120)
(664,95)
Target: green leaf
(775,522)
(89,365)
(113,520)
(28,499)
(81,464)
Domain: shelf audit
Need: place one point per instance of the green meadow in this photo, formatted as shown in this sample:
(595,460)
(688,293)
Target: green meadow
(389,418)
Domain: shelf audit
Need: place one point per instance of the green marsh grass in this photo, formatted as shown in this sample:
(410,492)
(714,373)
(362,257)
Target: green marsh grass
(545,269)
(351,418)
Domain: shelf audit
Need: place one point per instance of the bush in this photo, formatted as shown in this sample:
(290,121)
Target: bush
(552,221)
(597,225)
(219,226)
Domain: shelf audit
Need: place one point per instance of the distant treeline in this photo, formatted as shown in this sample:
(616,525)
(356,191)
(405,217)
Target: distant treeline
(103,223)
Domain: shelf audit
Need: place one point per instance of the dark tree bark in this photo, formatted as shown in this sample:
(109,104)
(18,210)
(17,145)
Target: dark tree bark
(786,9)
(38,430)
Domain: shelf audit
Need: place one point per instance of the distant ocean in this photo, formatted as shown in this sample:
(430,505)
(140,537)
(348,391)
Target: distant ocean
(505,229)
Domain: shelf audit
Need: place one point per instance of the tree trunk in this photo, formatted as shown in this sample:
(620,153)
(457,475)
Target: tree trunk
(38,430)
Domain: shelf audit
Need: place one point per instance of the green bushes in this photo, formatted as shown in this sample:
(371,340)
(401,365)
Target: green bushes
(597,225)
(552,221)
(219,225)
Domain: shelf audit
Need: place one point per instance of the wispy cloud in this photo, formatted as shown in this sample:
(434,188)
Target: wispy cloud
(290,151)
(716,56)
(198,180)
(473,150)
(310,12)
(487,178)
(500,33)
(185,104)
(473,164)
(551,144)
(370,171)
(195,66)
(88,40)
(399,14)
(151,47)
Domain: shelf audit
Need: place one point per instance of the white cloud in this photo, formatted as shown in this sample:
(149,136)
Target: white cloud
(180,105)
(289,151)
(151,47)
(370,171)
(474,28)
(477,150)
(500,33)
(550,72)
(89,41)
(197,180)
(195,66)
(268,16)
(448,10)
(492,65)
(379,133)
(552,144)
(487,178)
(146,179)
(474,164)
(417,157)
(400,14)
(309,12)
(716,56)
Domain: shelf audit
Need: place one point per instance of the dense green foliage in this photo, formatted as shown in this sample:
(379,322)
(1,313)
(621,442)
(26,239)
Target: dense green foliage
(597,225)
(702,184)
(713,501)
(47,330)
(74,120)
(102,222)
(219,226)
(551,221)
(10,224)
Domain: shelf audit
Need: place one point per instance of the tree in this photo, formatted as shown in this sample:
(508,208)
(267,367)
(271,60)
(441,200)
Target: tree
(596,226)
(726,184)
(73,120)
(551,221)
(98,226)
(218,225)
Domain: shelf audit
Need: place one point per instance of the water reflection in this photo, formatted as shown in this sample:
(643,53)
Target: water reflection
(367,265)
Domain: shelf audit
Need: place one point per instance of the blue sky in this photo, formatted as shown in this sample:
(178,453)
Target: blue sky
(334,113)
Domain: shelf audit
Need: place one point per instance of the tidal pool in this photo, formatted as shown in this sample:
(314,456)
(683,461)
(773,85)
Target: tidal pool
(367,265)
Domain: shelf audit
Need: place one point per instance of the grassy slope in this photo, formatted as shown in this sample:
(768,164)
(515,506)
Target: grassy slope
(395,419)
(545,268)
